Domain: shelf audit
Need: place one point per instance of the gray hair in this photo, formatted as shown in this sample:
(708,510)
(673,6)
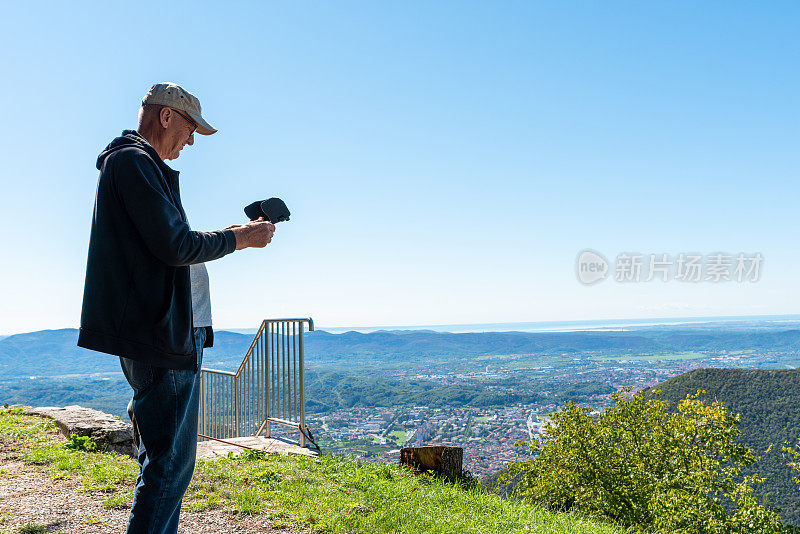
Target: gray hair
(149,113)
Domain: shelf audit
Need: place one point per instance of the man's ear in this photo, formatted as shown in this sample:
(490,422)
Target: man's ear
(164,117)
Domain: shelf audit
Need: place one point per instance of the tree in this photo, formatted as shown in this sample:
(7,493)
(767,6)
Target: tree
(646,467)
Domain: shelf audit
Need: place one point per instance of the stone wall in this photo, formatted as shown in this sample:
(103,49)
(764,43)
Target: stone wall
(108,432)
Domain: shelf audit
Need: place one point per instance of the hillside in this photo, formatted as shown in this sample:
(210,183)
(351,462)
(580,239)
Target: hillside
(769,403)
(324,391)
(45,485)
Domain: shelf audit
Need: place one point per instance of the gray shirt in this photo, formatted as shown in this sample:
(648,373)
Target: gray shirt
(201,296)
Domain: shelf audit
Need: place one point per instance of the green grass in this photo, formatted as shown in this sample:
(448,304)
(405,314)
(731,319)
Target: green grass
(339,495)
(34,441)
(119,501)
(652,357)
(94,519)
(329,494)
(400,436)
(105,472)
(31,529)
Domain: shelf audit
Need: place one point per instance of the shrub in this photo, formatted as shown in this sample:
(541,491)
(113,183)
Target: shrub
(648,468)
(80,443)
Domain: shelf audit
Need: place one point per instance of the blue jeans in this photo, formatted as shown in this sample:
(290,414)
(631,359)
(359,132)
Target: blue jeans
(165,408)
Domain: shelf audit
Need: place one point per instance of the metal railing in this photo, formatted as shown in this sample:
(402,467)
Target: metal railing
(266,389)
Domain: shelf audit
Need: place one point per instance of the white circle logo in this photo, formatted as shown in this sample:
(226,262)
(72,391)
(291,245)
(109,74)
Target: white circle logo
(591,267)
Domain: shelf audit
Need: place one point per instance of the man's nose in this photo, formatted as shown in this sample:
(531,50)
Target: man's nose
(190,142)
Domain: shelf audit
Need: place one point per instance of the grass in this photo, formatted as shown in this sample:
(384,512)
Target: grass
(400,436)
(119,501)
(652,357)
(31,529)
(35,441)
(94,519)
(340,495)
(329,494)
(106,472)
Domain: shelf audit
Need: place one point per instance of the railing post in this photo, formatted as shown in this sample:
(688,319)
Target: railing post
(302,392)
(204,400)
(237,401)
(268,391)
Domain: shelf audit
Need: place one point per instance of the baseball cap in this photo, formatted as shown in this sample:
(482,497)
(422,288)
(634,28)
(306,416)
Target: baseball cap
(173,95)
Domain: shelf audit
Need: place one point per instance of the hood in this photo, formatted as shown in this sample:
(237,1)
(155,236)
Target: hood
(129,138)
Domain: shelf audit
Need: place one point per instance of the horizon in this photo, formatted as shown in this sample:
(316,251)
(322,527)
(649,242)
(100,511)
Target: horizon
(534,326)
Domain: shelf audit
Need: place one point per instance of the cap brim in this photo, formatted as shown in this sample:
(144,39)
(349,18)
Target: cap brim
(203,128)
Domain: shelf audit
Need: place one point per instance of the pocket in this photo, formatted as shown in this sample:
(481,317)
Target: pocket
(199,341)
(169,333)
(140,376)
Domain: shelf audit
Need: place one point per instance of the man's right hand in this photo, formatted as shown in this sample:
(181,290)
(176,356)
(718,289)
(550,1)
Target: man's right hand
(256,233)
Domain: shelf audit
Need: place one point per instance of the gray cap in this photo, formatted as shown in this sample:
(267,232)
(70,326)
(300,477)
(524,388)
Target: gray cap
(173,95)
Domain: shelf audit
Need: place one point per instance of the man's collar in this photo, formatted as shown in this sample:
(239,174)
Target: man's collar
(169,171)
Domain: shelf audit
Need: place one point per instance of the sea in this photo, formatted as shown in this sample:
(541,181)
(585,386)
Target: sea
(749,322)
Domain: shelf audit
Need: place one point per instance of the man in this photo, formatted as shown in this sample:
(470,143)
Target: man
(146,294)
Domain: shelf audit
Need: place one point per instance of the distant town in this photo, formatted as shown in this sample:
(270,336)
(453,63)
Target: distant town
(490,436)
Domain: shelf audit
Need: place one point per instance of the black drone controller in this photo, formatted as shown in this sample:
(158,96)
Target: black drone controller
(273,210)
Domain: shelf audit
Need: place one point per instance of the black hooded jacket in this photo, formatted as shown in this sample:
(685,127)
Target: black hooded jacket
(137,299)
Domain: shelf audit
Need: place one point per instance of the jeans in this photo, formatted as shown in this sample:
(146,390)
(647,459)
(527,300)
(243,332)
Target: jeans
(165,407)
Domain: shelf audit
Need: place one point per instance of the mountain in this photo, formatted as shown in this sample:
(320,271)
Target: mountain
(50,353)
(769,403)
(54,352)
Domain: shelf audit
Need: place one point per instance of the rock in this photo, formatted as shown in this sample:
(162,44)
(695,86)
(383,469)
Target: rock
(109,433)
(221,449)
(442,460)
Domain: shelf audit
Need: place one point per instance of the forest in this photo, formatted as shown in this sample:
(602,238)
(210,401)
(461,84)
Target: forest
(769,404)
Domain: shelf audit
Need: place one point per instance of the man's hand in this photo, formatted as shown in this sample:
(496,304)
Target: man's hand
(256,233)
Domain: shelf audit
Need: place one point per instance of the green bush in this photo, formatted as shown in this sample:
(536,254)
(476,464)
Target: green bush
(648,468)
(80,443)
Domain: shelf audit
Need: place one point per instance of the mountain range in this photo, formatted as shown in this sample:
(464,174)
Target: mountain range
(55,353)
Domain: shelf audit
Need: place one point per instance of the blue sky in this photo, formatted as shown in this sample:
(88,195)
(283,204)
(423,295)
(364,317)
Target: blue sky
(444,162)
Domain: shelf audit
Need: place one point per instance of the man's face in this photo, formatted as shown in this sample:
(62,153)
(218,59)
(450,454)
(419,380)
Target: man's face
(179,133)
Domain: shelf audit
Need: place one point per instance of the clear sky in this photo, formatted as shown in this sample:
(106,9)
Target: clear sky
(445,162)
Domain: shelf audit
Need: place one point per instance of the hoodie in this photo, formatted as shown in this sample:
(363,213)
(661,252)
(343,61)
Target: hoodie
(137,300)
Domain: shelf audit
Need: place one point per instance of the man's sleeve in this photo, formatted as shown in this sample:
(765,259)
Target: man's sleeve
(159,221)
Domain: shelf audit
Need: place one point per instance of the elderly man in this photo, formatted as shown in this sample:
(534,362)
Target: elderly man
(146,295)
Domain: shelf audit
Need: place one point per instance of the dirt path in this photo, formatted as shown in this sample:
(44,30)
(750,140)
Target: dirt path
(30,496)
